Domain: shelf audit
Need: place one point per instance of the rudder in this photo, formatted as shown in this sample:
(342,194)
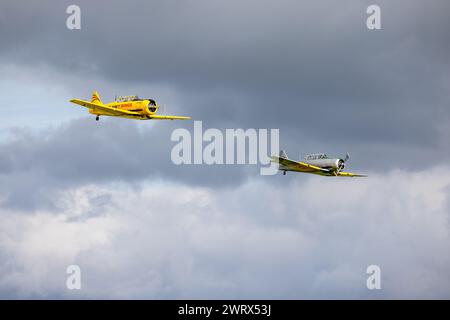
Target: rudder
(96,98)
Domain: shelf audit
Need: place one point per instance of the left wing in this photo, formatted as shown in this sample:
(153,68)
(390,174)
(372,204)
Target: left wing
(160,117)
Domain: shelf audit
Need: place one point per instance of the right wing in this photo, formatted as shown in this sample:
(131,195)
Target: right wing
(298,166)
(161,117)
(102,107)
(349,174)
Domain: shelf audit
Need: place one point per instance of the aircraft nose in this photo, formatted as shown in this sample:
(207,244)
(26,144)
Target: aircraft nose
(341,164)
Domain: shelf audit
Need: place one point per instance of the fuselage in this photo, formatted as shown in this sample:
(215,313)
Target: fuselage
(330,163)
(318,163)
(321,160)
(146,107)
(131,107)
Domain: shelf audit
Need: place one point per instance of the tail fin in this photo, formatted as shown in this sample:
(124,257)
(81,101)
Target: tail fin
(283,154)
(96,98)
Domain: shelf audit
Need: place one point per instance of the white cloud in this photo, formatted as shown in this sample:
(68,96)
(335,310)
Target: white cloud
(36,249)
(312,237)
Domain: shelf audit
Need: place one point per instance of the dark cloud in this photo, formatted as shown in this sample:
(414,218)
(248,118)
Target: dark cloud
(35,165)
(311,69)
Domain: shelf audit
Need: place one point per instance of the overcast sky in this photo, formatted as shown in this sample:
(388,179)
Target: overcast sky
(106,196)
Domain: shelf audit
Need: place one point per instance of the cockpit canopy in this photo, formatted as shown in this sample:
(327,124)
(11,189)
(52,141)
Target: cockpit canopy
(134,98)
(316,156)
(128,98)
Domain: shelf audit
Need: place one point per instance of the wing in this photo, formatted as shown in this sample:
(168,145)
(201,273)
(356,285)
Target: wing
(160,117)
(102,107)
(349,174)
(298,166)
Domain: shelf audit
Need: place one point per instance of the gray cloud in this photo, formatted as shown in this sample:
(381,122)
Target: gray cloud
(34,166)
(311,69)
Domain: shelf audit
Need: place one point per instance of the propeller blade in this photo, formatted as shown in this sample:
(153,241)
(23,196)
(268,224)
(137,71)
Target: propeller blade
(347,156)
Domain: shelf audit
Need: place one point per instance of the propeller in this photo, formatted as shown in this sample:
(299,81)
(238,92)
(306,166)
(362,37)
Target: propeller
(342,162)
(347,156)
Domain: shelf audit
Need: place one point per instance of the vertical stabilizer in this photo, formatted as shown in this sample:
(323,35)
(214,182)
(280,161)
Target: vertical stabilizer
(96,98)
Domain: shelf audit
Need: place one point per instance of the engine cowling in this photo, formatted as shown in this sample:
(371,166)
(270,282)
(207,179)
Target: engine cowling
(152,106)
(340,164)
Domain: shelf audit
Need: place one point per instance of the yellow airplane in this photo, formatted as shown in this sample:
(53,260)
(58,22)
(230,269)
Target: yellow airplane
(131,107)
(318,163)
